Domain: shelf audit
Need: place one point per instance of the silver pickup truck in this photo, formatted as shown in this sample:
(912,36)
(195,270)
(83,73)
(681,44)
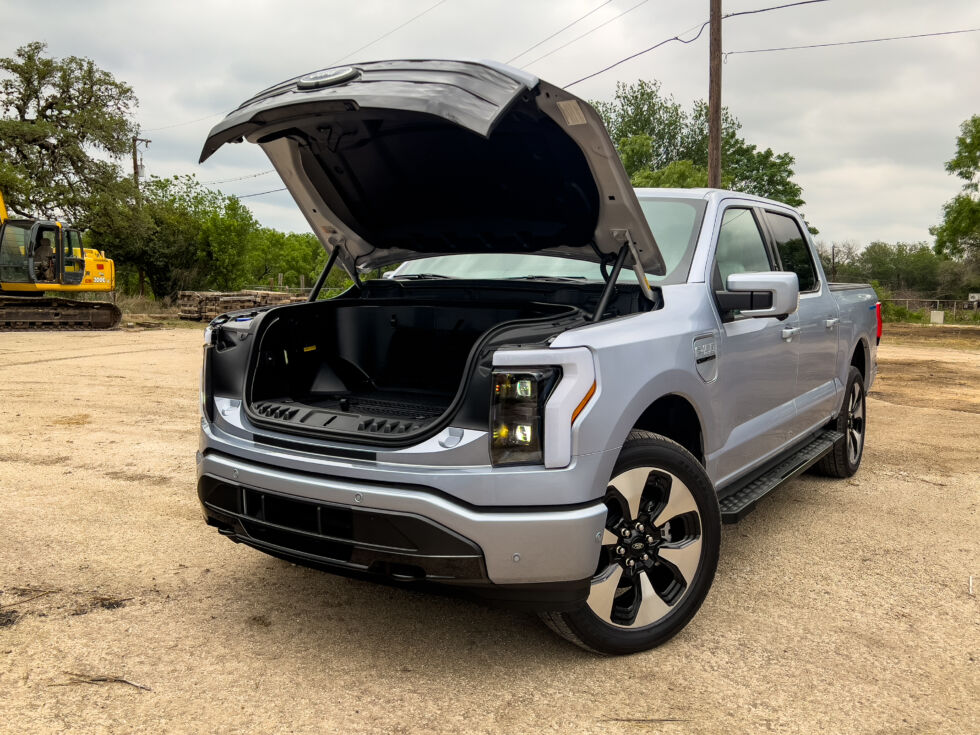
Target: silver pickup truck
(565,388)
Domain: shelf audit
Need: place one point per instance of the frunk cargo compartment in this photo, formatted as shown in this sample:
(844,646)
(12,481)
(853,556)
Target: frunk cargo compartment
(380,370)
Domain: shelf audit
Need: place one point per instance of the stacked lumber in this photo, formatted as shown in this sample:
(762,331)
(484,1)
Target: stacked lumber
(206,305)
(189,304)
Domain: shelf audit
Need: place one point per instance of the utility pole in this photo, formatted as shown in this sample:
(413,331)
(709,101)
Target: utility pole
(136,166)
(714,97)
(139,203)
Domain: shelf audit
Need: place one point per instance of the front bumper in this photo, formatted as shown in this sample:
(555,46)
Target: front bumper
(543,557)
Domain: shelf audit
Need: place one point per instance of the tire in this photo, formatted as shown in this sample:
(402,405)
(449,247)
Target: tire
(845,458)
(663,506)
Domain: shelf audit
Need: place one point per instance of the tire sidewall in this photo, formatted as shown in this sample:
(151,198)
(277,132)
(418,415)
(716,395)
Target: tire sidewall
(656,451)
(853,376)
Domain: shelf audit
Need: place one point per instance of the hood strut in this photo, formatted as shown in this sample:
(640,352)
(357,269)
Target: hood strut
(610,286)
(323,274)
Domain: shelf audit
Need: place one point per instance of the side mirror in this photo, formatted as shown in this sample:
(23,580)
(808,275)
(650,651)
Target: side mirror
(763,294)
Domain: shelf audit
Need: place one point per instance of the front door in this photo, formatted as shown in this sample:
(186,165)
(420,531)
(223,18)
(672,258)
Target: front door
(73,258)
(757,357)
(46,245)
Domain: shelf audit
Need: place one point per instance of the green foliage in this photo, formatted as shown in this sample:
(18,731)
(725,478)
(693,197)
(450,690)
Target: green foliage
(959,233)
(272,252)
(61,119)
(966,162)
(227,234)
(678,174)
(900,266)
(652,131)
(184,236)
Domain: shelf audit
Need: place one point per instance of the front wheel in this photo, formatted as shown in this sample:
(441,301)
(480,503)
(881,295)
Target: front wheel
(659,551)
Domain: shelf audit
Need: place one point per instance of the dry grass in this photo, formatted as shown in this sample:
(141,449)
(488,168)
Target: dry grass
(956,336)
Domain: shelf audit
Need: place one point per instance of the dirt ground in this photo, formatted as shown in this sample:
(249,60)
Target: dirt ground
(839,606)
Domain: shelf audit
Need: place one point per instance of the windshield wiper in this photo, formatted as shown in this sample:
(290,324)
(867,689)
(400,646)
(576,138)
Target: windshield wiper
(573,279)
(420,276)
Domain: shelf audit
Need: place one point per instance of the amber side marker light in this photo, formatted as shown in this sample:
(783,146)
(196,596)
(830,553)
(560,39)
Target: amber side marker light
(585,401)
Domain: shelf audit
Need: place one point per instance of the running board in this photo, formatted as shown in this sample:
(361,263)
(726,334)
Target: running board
(737,505)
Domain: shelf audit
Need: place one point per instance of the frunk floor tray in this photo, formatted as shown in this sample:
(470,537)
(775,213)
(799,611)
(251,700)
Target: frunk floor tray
(378,412)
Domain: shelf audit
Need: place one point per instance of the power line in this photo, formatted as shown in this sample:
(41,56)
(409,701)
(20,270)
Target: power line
(678,38)
(186,122)
(578,38)
(385,35)
(774,7)
(240,178)
(851,43)
(640,53)
(258,194)
(560,30)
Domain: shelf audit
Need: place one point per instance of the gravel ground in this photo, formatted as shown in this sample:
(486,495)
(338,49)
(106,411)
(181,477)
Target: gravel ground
(839,606)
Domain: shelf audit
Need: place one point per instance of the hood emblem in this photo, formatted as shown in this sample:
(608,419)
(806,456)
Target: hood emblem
(327,77)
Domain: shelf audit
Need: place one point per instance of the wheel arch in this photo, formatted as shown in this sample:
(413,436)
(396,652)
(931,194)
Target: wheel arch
(674,416)
(860,358)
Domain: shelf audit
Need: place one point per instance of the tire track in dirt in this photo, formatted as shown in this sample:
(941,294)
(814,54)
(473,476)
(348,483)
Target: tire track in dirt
(97,354)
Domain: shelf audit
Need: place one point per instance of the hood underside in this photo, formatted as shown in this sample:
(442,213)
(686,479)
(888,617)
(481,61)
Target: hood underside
(396,160)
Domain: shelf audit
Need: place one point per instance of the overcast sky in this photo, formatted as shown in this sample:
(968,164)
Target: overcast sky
(870,125)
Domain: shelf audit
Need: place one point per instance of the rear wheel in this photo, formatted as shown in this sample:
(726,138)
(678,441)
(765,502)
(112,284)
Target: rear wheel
(845,458)
(659,551)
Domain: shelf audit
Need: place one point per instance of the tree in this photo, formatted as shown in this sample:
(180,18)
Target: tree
(227,233)
(162,238)
(679,174)
(641,110)
(292,254)
(652,131)
(185,236)
(959,233)
(61,119)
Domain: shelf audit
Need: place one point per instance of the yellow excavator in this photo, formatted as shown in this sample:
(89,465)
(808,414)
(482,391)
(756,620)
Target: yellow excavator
(38,256)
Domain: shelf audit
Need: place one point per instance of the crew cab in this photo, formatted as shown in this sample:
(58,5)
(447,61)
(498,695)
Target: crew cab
(565,387)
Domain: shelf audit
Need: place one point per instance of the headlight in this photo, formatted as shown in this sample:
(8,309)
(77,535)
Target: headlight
(517,415)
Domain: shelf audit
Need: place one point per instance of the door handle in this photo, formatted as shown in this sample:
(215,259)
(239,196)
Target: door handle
(790,332)
(831,323)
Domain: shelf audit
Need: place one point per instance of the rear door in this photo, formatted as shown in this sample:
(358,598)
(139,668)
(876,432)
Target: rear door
(757,357)
(819,322)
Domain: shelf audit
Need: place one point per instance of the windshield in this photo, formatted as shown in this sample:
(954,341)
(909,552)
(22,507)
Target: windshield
(675,224)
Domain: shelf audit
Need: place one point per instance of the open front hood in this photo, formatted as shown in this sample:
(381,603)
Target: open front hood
(395,160)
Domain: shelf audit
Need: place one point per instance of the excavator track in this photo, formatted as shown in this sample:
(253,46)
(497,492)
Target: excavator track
(20,312)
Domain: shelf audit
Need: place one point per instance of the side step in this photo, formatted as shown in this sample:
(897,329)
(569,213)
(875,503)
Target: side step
(737,505)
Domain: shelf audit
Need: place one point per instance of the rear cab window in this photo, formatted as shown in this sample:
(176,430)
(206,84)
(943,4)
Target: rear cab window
(794,252)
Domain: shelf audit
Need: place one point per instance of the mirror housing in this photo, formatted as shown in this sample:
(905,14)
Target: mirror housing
(764,294)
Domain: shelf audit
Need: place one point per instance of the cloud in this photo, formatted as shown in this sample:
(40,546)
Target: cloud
(870,125)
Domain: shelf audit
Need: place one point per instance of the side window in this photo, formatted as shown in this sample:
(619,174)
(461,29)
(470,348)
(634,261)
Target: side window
(741,248)
(13,254)
(73,245)
(793,249)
